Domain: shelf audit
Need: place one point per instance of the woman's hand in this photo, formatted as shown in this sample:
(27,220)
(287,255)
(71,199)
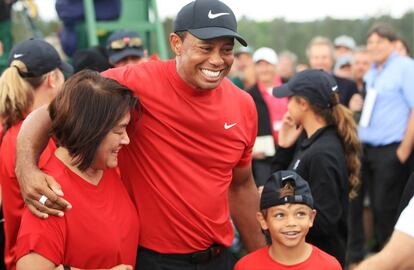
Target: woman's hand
(289,132)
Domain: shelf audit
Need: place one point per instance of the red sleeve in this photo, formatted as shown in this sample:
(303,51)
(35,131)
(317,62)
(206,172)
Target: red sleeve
(238,266)
(45,237)
(126,76)
(251,126)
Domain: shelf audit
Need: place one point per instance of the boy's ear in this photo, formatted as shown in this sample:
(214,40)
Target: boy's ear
(262,221)
(312,217)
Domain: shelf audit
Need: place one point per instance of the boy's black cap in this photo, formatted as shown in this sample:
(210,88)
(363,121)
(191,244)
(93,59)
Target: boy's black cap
(316,85)
(39,57)
(271,194)
(117,55)
(207,19)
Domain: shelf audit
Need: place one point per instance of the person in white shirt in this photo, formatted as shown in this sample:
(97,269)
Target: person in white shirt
(398,252)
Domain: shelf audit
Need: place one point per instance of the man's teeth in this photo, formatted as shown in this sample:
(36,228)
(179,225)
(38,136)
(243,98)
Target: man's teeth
(210,73)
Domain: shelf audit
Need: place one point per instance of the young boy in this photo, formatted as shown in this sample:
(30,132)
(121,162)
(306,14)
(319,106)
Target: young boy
(287,214)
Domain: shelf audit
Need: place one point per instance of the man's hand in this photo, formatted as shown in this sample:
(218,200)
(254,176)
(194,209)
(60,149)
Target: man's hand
(33,184)
(289,132)
(31,141)
(258,155)
(356,102)
(403,154)
(244,203)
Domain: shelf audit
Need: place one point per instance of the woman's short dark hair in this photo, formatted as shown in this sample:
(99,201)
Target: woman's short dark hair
(86,109)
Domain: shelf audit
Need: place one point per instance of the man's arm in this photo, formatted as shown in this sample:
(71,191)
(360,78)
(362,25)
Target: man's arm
(396,255)
(244,203)
(406,146)
(31,141)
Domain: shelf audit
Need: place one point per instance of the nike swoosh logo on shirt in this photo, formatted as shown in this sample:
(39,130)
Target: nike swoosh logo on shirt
(227,126)
(213,16)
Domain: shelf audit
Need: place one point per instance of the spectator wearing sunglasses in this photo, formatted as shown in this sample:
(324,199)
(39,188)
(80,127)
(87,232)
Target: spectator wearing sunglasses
(125,47)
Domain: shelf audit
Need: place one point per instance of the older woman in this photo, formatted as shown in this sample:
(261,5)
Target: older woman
(101,230)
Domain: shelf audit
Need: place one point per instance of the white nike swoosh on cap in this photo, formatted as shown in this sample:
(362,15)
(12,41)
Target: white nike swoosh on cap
(286,177)
(334,88)
(17,55)
(213,16)
(227,126)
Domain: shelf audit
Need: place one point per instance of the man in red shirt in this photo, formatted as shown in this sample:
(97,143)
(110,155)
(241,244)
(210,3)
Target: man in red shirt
(189,161)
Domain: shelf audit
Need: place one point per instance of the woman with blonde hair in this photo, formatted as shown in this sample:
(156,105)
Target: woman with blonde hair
(33,79)
(319,141)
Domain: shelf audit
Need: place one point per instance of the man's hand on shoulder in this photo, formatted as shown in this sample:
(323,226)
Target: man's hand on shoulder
(34,185)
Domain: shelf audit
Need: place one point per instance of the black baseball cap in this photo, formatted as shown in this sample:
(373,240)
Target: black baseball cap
(115,55)
(94,58)
(272,194)
(207,19)
(316,85)
(39,57)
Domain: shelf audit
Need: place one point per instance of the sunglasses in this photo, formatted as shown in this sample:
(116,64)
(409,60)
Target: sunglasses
(120,44)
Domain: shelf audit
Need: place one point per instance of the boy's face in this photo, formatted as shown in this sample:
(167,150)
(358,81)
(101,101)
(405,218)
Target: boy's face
(288,224)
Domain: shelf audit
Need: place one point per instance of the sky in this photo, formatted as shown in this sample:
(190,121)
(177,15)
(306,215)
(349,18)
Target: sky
(291,10)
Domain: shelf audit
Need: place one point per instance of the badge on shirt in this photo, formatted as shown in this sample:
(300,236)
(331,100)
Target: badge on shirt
(368,107)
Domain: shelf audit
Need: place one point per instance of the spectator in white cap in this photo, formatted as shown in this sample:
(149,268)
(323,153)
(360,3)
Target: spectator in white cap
(343,45)
(265,60)
(343,65)
(270,112)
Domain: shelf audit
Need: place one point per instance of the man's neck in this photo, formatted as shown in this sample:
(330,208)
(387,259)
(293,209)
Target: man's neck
(290,255)
(380,65)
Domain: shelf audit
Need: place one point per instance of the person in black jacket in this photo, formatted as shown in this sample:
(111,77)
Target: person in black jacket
(320,52)
(318,140)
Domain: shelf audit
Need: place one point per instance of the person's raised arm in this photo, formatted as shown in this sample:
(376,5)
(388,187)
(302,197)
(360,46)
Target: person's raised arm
(31,141)
(244,204)
(396,255)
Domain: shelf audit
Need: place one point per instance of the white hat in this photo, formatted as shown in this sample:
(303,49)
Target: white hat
(345,41)
(265,54)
